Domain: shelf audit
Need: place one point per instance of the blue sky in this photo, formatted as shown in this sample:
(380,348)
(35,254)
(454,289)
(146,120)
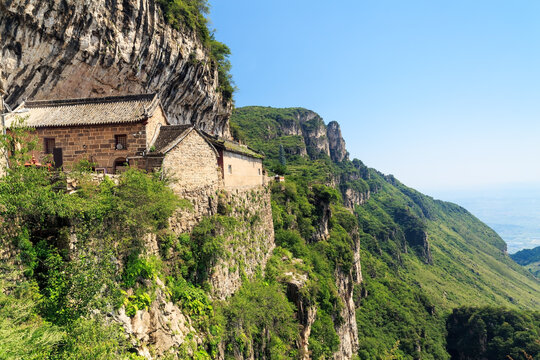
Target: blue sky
(442,94)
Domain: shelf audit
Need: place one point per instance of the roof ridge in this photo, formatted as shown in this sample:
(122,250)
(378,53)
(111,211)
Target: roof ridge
(176,126)
(93,100)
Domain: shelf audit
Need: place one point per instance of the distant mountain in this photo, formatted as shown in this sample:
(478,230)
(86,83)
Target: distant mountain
(527,256)
(530,259)
(511,210)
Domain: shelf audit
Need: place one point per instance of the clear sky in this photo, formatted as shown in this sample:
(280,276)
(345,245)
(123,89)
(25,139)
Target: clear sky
(442,94)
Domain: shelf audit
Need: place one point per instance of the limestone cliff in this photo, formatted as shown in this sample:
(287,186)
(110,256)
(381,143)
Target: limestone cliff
(249,245)
(346,329)
(304,133)
(71,48)
(336,144)
(319,138)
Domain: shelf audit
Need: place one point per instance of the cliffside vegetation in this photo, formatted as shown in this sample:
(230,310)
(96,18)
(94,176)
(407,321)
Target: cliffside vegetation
(49,291)
(73,259)
(191,14)
(420,257)
(493,333)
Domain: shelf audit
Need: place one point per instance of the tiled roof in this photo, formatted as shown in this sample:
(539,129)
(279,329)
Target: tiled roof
(233,147)
(167,136)
(89,111)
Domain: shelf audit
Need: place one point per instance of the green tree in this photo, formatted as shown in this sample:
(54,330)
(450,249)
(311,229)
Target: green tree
(282,159)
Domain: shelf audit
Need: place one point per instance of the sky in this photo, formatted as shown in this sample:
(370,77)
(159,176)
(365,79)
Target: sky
(444,95)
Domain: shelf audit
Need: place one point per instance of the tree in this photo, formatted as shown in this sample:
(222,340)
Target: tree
(282,159)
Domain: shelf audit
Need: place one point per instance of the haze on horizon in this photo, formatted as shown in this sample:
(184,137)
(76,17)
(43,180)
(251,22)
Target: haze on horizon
(444,95)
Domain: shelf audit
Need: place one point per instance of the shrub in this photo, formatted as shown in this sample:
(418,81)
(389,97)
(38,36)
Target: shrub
(138,268)
(323,340)
(259,314)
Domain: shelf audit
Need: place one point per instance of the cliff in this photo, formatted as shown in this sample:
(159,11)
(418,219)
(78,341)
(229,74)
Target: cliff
(301,131)
(399,260)
(303,134)
(66,49)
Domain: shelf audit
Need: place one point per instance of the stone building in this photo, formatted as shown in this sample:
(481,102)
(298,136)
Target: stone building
(206,161)
(240,166)
(108,131)
(133,130)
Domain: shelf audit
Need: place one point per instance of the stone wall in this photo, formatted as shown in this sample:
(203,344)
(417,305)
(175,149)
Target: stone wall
(93,142)
(154,123)
(192,168)
(241,172)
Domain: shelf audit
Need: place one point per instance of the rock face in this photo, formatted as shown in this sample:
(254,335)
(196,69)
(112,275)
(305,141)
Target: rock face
(306,313)
(249,246)
(347,329)
(84,48)
(159,328)
(336,144)
(352,197)
(320,138)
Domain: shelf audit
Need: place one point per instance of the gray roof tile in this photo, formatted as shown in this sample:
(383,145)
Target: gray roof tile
(89,111)
(167,135)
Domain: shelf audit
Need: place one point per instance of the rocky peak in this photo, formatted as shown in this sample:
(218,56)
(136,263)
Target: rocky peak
(336,143)
(73,48)
(314,133)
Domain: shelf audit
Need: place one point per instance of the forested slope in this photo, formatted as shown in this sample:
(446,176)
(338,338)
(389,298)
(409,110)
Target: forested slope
(420,257)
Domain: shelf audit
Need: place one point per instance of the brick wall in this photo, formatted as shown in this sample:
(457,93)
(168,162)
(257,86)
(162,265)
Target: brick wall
(97,142)
(94,142)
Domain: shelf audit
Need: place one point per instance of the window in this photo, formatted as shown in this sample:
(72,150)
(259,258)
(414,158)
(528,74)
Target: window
(120,142)
(259,171)
(229,168)
(49,145)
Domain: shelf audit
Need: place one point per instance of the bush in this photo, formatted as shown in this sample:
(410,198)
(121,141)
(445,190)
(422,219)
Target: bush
(323,340)
(138,268)
(258,314)
(91,339)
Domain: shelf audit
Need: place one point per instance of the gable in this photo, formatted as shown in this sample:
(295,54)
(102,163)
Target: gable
(192,164)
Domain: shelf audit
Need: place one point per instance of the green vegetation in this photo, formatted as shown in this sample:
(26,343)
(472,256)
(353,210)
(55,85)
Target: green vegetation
(493,333)
(530,259)
(420,257)
(259,320)
(77,256)
(191,14)
(52,293)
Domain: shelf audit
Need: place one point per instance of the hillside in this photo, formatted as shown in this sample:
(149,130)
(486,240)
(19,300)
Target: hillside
(338,261)
(420,257)
(530,259)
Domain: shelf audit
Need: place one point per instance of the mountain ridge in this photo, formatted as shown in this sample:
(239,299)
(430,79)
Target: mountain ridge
(410,243)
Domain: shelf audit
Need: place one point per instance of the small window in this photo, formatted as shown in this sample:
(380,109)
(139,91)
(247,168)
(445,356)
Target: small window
(259,169)
(229,168)
(120,142)
(49,145)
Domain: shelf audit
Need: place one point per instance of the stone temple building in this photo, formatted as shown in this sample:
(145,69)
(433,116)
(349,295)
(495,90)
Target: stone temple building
(119,131)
